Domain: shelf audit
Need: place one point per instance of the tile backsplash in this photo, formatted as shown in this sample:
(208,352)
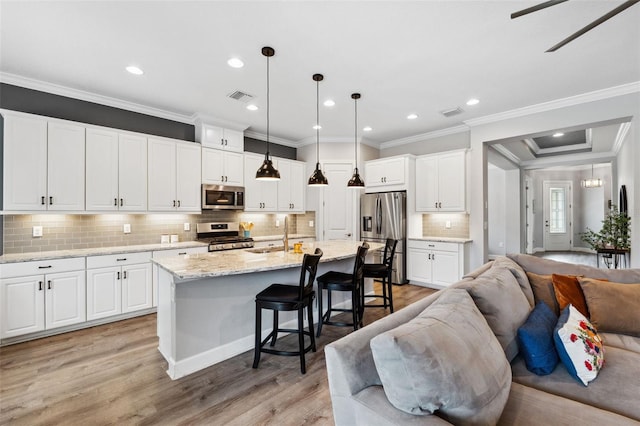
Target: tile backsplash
(434,225)
(64,232)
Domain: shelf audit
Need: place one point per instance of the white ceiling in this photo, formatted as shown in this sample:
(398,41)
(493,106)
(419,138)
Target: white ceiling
(404,57)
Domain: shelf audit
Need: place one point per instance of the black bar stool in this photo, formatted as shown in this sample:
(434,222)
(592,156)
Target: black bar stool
(341,281)
(283,297)
(382,271)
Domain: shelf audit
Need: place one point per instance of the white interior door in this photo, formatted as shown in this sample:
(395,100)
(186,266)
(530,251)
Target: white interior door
(557,201)
(339,203)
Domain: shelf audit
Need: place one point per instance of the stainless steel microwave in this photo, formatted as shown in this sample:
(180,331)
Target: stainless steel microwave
(222,197)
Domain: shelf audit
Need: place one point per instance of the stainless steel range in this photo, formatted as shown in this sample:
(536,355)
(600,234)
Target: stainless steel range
(222,236)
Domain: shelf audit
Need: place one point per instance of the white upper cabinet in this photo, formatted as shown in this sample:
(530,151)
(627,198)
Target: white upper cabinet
(173,175)
(220,138)
(259,196)
(43,164)
(25,162)
(388,174)
(291,186)
(441,182)
(222,167)
(116,175)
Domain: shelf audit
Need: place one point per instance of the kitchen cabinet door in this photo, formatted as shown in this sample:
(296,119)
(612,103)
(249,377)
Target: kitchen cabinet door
(65,167)
(234,168)
(259,196)
(137,285)
(291,187)
(221,138)
(222,167)
(104,292)
(21,305)
(452,182)
(419,265)
(426,186)
(132,173)
(25,163)
(188,177)
(162,175)
(386,172)
(444,267)
(102,170)
(65,301)
(234,140)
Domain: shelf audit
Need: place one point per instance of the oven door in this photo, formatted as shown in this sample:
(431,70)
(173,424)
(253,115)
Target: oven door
(221,197)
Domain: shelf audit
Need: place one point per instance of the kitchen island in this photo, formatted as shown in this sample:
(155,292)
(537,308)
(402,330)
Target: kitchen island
(206,302)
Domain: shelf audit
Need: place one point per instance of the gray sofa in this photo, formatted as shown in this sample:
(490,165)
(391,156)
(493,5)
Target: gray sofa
(358,396)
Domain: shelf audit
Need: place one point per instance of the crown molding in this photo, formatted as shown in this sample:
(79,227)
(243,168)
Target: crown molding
(507,154)
(274,139)
(596,95)
(69,92)
(425,136)
(576,159)
(620,136)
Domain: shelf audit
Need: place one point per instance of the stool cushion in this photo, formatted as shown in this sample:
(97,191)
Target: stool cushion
(279,293)
(375,269)
(333,277)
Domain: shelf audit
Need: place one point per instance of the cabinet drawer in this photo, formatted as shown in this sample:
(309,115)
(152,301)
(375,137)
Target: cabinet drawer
(433,245)
(118,259)
(39,267)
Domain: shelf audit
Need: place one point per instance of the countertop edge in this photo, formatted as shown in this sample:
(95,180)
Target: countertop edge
(442,239)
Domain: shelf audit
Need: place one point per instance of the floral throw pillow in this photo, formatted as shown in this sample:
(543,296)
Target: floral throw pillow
(579,345)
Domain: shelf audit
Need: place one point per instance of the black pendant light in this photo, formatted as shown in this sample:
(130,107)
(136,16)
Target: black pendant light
(356,181)
(318,178)
(266,170)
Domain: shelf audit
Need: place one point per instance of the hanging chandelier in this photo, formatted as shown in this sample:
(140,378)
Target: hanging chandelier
(592,182)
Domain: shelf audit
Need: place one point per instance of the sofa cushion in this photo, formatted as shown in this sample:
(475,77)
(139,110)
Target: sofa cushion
(579,345)
(542,287)
(616,389)
(504,306)
(447,360)
(568,292)
(621,341)
(614,307)
(519,274)
(535,338)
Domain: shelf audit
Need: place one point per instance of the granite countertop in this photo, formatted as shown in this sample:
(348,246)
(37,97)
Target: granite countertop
(232,262)
(97,251)
(444,239)
(279,237)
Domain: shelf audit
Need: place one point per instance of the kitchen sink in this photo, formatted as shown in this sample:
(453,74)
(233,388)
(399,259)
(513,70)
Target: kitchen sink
(267,249)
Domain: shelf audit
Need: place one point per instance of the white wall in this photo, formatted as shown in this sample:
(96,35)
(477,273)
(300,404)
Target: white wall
(626,105)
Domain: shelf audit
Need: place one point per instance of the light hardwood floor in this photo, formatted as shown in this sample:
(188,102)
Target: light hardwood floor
(114,374)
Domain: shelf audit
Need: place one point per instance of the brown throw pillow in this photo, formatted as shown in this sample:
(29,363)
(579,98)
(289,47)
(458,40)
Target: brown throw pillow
(568,292)
(542,287)
(614,307)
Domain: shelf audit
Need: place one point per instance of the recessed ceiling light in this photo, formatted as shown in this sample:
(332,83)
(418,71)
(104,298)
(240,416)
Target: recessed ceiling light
(235,63)
(473,101)
(412,116)
(329,103)
(134,70)
(317,127)
(252,107)
(558,134)
(367,129)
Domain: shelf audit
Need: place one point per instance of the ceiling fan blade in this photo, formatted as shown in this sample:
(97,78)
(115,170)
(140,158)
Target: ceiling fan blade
(594,24)
(536,8)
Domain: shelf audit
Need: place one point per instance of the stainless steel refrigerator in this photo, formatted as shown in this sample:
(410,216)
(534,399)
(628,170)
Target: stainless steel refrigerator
(384,215)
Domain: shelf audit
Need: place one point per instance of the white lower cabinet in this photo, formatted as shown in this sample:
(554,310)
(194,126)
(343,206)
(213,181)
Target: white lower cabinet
(435,262)
(41,301)
(118,284)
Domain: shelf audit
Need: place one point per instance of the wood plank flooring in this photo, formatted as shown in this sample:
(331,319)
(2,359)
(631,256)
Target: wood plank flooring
(114,374)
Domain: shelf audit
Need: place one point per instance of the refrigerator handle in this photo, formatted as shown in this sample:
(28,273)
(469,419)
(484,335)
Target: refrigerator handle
(378,216)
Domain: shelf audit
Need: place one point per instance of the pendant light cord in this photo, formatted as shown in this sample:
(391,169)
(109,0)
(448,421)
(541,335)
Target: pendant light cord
(267,106)
(356,132)
(317,121)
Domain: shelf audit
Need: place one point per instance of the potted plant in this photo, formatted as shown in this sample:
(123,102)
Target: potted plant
(614,235)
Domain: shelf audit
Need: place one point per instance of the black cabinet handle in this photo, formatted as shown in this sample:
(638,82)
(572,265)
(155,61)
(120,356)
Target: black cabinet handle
(182,254)
(42,201)
(174,203)
(49,285)
(40,285)
(121,201)
(115,202)
(439,205)
(222,178)
(118,277)
(50,200)
(121,259)
(436,204)
(124,275)
(44,267)
(178,203)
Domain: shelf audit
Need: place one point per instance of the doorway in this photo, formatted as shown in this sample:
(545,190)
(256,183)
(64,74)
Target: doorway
(557,202)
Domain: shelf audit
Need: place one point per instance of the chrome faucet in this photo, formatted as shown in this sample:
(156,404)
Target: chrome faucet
(285,238)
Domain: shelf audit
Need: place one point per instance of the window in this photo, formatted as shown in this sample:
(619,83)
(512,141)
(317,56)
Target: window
(557,214)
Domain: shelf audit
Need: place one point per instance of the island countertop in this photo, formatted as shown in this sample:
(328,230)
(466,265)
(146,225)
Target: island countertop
(234,262)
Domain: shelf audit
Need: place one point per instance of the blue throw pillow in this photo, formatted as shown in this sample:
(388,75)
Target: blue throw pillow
(535,337)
